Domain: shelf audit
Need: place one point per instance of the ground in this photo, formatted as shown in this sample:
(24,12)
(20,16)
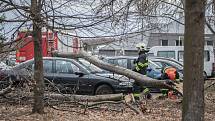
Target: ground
(156,110)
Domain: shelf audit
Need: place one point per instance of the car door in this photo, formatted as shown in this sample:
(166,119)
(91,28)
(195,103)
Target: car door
(65,77)
(47,70)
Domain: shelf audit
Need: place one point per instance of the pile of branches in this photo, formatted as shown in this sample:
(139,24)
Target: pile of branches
(22,94)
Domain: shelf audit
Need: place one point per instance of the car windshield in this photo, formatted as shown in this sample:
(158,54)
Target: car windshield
(92,68)
(168,62)
(154,66)
(177,65)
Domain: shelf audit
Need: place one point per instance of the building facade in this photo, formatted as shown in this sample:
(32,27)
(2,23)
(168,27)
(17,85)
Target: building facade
(174,39)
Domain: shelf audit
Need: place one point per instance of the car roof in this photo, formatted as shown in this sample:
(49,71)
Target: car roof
(118,57)
(57,58)
(51,58)
(166,59)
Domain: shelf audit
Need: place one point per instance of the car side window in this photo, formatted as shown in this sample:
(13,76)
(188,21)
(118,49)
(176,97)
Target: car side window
(47,66)
(132,64)
(74,67)
(123,63)
(111,61)
(66,67)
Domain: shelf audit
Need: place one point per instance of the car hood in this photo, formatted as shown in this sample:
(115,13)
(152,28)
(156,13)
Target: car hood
(114,76)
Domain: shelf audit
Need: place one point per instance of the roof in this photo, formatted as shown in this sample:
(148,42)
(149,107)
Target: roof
(117,57)
(98,41)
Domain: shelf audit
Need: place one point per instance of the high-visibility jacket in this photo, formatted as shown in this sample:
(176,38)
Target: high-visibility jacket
(141,64)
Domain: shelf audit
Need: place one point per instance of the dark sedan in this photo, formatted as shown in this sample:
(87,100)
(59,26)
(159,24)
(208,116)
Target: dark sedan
(69,76)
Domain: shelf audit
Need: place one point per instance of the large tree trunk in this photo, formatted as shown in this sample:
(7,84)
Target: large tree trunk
(139,78)
(38,106)
(193,100)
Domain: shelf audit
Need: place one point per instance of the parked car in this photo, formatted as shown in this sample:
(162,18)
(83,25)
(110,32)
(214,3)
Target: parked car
(3,67)
(72,77)
(156,64)
(166,62)
(153,71)
(177,52)
(101,72)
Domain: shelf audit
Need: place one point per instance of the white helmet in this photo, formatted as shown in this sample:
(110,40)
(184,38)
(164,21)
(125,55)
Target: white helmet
(141,46)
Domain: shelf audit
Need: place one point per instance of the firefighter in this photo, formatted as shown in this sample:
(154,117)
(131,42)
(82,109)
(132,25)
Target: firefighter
(171,74)
(141,63)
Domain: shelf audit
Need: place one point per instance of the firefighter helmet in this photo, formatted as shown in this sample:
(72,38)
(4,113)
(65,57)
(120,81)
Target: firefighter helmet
(141,47)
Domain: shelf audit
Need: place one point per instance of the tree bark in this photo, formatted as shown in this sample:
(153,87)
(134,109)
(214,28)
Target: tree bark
(81,98)
(193,100)
(38,106)
(139,78)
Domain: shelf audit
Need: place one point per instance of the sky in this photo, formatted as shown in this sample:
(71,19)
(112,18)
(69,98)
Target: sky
(114,20)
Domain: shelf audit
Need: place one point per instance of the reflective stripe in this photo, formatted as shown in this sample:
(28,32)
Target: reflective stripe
(136,67)
(142,65)
(136,94)
(146,90)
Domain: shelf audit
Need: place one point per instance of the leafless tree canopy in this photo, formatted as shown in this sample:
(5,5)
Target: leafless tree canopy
(95,18)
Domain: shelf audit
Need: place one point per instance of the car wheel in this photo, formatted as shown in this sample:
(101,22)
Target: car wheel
(104,89)
(205,75)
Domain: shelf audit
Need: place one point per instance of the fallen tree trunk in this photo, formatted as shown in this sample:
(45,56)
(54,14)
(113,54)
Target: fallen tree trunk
(78,98)
(139,78)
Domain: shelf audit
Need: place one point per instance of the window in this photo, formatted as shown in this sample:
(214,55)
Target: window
(150,54)
(210,42)
(154,66)
(167,54)
(164,42)
(158,63)
(206,55)
(132,63)
(47,66)
(111,61)
(181,56)
(178,43)
(66,67)
(122,63)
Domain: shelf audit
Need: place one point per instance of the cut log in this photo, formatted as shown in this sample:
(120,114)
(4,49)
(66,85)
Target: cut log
(78,98)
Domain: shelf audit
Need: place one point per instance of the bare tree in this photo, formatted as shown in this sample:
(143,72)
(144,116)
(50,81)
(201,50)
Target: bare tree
(92,19)
(38,107)
(193,100)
